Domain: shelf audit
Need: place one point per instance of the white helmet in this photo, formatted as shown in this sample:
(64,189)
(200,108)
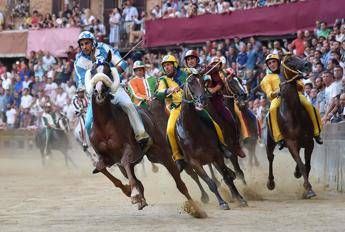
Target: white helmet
(87,35)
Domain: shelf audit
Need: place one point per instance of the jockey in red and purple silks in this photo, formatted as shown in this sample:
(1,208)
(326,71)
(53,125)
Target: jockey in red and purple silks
(215,85)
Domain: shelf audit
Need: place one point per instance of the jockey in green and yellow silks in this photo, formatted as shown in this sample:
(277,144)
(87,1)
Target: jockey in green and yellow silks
(170,89)
(270,85)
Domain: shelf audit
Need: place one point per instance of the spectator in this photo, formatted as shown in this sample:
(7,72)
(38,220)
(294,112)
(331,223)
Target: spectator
(25,118)
(26,100)
(298,44)
(47,61)
(136,35)
(11,116)
(129,13)
(61,97)
(114,22)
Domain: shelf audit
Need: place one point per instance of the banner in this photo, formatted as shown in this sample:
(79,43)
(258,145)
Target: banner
(56,41)
(267,21)
(13,43)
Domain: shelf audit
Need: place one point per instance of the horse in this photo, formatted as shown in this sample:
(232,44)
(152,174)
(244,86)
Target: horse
(294,122)
(113,138)
(198,141)
(235,93)
(58,141)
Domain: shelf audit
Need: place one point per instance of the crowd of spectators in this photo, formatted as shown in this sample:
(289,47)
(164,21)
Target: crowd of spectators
(31,83)
(191,8)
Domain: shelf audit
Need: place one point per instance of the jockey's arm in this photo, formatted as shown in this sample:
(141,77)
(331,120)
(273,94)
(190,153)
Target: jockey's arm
(162,89)
(215,89)
(102,53)
(79,75)
(267,88)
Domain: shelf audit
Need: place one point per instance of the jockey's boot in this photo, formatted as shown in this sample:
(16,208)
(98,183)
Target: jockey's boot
(145,144)
(180,164)
(281,144)
(318,139)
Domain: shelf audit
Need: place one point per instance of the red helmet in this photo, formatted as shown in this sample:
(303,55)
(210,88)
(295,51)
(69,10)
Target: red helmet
(191,53)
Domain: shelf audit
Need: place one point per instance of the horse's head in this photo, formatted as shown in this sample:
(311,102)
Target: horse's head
(102,79)
(194,92)
(294,68)
(235,88)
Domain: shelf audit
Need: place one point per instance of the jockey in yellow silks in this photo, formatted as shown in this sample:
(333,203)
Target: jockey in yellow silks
(270,85)
(170,88)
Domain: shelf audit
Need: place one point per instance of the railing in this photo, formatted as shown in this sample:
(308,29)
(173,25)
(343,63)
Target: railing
(328,160)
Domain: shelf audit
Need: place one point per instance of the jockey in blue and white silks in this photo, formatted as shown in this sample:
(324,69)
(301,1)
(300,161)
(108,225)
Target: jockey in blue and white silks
(93,50)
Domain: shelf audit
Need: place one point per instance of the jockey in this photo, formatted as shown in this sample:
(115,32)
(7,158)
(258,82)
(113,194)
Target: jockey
(80,103)
(270,85)
(48,123)
(170,89)
(191,60)
(214,84)
(91,49)
(141,88)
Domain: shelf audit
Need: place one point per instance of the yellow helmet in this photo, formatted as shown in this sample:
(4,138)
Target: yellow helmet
(272,56)
(170,58)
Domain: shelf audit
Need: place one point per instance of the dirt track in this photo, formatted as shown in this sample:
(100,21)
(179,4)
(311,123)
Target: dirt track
(55,198)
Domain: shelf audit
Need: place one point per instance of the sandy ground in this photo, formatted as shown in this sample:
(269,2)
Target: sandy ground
(56,198)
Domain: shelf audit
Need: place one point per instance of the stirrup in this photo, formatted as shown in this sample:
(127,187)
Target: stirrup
(281,144)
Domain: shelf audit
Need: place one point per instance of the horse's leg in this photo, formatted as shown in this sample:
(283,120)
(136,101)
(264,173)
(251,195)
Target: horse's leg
(229,180)
(294,150)
(213,176)
(204,196)
(238,170)
(126,189)
(252,152)
(212,185)
(137,189)
(307,157)
(270,156)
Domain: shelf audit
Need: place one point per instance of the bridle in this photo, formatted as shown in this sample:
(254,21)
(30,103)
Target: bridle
(189,93)
(297,73)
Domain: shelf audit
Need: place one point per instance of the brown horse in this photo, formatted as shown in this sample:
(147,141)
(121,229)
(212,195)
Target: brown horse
(294,122)
(236,94)
(113,139)
(198,140)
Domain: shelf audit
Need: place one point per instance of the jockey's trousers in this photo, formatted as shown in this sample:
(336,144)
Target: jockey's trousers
(312,112)
(121,98)
(174,114)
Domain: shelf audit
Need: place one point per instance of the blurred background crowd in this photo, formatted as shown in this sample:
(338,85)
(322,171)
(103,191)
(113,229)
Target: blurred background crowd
(28,83)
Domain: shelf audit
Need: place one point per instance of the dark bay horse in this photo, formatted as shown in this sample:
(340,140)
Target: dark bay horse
(199,141)
(59,141)
(113,138)
(294,122)
(236,94)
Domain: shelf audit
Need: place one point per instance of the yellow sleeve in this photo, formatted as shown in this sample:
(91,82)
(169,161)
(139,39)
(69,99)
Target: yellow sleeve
(162,88)
(267,87)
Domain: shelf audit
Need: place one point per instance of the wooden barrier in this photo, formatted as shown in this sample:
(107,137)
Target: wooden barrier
(328,160)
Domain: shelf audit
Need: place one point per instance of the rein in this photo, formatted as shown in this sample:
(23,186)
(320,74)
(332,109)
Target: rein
(296,72)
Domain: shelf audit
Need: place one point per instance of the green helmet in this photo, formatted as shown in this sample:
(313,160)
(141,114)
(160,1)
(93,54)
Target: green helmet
(138,64)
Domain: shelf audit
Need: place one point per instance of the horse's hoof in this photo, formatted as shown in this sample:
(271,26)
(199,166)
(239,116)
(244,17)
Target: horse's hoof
(127,190)
(240,175)
(224,206)
(243,203)
(271,185)
(297,174)
(142,204)
(204,198)
(309,194)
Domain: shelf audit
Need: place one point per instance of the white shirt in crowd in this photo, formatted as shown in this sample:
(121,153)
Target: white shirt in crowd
(69,111)
(331,91)
(11,116)
(6,80)
(50,89)
(26,101)
(130,13)
(26,84)
(61,99)
(48,61)
(70,90)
